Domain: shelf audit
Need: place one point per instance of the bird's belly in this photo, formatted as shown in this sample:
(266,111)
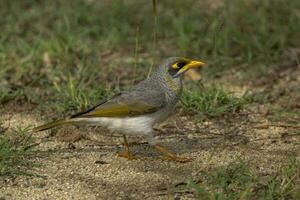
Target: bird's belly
(128,125)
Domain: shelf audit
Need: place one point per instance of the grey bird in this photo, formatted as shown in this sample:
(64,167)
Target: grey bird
(136,111)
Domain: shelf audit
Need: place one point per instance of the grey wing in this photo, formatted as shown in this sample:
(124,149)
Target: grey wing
(131,103)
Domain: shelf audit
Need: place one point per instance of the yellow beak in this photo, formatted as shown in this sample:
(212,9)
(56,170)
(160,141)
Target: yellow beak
(195,64)
(190,65)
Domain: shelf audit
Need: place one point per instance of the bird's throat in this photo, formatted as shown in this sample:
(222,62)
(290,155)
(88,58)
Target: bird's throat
(174,83)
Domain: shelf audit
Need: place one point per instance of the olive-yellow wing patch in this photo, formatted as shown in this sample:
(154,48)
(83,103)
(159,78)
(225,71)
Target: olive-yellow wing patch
(129,104)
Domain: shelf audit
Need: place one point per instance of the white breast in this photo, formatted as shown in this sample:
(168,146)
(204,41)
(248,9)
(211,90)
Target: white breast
(141,125)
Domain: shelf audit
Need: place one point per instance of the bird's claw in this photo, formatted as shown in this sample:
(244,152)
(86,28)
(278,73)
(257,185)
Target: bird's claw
(127,154)
(167,155)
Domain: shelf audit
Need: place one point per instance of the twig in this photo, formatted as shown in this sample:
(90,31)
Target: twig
(265,126)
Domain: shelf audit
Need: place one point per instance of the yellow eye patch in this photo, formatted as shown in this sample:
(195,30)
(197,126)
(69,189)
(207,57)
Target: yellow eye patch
(179,64)
(174,66)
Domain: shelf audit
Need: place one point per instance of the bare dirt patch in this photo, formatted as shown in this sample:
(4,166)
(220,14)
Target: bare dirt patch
(82,163)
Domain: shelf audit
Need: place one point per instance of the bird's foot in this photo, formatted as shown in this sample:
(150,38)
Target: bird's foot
(127,154)
(171,156)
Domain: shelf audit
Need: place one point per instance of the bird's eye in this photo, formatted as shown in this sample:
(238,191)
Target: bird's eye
(180,64)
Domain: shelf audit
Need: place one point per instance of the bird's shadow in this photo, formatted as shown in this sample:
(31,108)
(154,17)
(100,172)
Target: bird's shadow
(177,143)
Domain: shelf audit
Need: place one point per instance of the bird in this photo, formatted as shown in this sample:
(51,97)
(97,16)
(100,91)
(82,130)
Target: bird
(136,111)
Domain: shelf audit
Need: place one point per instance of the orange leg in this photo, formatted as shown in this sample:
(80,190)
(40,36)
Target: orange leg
(126,153)
(171,156)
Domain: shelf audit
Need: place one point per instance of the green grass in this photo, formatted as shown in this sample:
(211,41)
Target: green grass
(68,55)
(231,35)
(213,101)
(74,36)
(7,95)
(69,39)
(240,181)
(15,157)
(76,97)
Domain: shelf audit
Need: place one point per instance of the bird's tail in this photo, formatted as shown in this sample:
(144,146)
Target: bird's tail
(52,124)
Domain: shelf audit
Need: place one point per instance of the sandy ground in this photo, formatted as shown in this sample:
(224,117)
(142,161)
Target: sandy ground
(81,163)
(90,169)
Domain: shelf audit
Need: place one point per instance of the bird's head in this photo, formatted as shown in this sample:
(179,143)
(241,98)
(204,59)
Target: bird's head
(177,66)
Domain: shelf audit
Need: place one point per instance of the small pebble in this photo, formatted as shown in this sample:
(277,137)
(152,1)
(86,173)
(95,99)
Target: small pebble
(100,162)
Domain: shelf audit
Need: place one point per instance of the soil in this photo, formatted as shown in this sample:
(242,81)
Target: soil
(82,162)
